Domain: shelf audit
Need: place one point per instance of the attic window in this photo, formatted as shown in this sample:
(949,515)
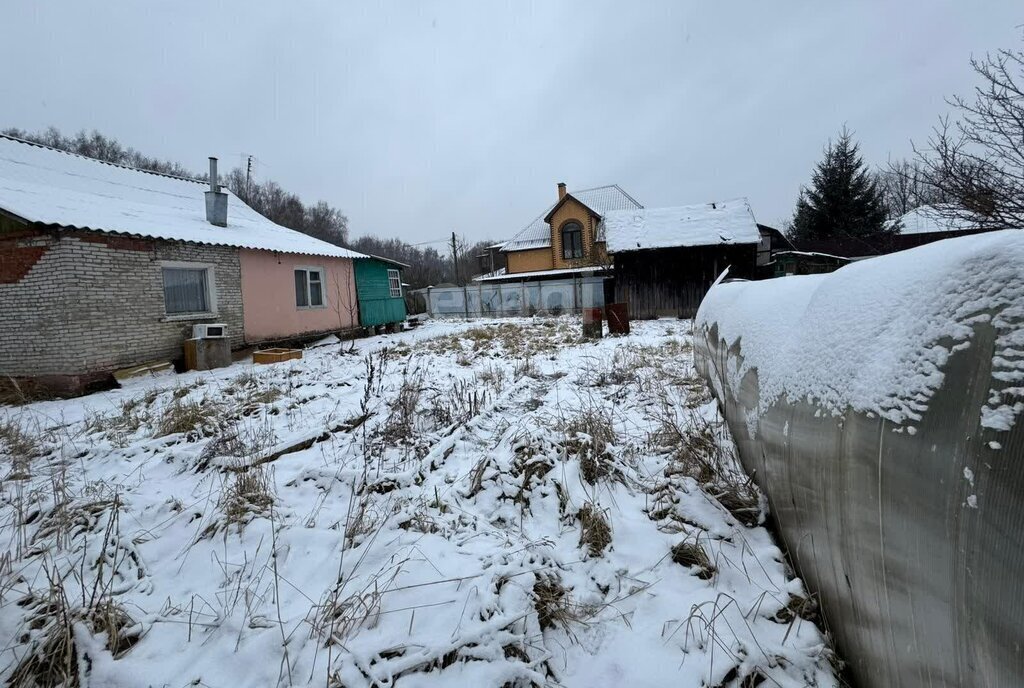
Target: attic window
(572,240)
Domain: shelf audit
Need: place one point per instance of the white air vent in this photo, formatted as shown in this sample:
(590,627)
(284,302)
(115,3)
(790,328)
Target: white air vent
(209,331)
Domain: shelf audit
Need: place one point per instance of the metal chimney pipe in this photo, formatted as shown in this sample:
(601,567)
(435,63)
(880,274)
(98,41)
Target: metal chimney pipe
(214,186)
(216,200)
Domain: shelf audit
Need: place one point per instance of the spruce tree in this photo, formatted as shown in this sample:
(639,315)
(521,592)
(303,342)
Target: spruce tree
(843,200)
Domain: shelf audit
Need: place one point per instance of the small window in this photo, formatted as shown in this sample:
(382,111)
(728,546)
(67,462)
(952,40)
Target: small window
(186,290)
(395,284)
(309,288)
(572,240)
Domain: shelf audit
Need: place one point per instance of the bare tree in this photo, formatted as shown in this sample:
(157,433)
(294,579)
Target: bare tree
(347,308)
(977,160)
(906,185)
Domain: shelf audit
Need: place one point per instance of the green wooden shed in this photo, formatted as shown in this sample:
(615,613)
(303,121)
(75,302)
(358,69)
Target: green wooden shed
(379,290)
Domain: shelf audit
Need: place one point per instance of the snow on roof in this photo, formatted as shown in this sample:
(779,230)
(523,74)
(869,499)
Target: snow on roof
(942,217)
(601,200)
(497,273)
(48,186)
(875,334)
(809,253)
(541,273)
(705,224)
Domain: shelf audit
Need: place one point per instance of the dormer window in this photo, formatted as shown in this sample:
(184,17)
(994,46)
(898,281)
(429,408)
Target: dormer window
(572,240)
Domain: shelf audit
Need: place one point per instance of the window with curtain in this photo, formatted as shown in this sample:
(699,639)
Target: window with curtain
(309,287)
(572,240)
(395,284)
(186,290)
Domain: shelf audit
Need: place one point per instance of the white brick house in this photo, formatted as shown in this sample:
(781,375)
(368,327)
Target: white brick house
(104,267)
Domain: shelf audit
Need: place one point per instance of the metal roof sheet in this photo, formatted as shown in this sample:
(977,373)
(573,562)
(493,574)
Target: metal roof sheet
(53,187)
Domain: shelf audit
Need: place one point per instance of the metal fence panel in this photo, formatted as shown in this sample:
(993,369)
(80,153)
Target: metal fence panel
(551,297)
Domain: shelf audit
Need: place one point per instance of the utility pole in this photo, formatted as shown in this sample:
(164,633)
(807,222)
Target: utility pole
(455,259)
(248,176)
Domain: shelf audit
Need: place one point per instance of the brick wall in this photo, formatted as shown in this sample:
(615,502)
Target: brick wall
(31,301)
(93,302)
(573,210)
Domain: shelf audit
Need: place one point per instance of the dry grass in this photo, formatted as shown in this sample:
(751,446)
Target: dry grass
(555,606)
(493,377)
(337,616)
(701,452)
(334,620)
(525,367)
(462,402)
(247,441)
(741,498)
(595,531)
(361,522)
(698,451)
(400,424)
(509,340)
(247,494)
(531,463)
(53,658)
(799,607)
(647,368)
(250,392)
(693,556)
(588,436)
(20,446)
(194,419)
(121,426)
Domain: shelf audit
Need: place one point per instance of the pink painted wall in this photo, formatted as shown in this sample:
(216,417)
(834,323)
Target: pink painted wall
(268,295)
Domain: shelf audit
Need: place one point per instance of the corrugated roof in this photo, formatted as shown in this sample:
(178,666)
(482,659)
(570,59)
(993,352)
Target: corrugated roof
(704,224)
(53,187)
(601,200)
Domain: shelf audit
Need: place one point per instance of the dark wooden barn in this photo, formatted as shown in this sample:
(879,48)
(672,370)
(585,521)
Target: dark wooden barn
(673,281)
(666,259)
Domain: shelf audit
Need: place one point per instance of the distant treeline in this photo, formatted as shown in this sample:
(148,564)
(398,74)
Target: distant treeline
(320,220)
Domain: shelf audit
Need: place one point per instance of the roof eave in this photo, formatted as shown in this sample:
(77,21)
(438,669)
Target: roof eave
(380,258)
(14,216)
(634,249)
(136,235)
(527,248)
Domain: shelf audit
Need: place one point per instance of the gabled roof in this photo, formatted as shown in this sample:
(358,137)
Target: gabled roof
(53,187)
(600,200)
(705,224)
(775,235)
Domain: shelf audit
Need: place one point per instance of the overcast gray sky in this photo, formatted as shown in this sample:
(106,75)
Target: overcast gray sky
(417,119)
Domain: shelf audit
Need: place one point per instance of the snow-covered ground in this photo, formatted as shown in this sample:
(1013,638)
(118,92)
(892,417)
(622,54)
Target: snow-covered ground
(470,504)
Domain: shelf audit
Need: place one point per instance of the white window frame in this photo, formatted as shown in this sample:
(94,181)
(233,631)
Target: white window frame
(394,279)
(323,286)
(211,288)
